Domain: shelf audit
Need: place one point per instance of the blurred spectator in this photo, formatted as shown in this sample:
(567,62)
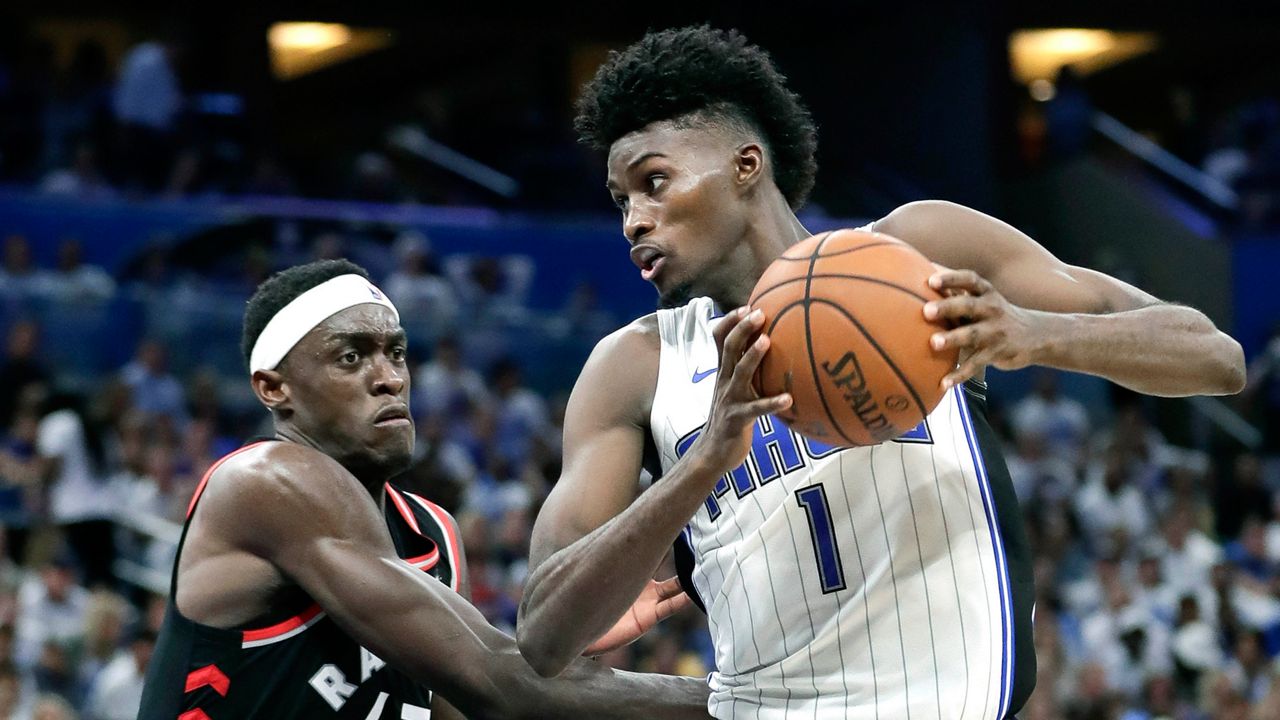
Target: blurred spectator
(74,281)
(423,296)
(53,707)
(1249,552)
(1195,647)
(12,699)
(19,276)
(82,178)
(1060,421)
(1189,554)
(51,608)
(444,385)
(116,694)
(106,615)
(442,469)
(20,366)
(521,412)
(1039,478)
(156,392)
(1109,502)
(147,101)
(70,456)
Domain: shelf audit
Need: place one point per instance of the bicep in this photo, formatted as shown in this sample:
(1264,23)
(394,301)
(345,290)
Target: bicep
(603,449)
(325,534)
(1017,266)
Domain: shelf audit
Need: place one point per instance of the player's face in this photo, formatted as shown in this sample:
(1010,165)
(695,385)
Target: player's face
(682,210)
(348,385)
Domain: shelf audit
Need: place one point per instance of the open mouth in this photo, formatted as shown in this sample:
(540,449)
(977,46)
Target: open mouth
(649,259)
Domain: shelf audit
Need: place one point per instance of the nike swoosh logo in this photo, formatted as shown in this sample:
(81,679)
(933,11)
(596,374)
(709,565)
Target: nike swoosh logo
(700,376)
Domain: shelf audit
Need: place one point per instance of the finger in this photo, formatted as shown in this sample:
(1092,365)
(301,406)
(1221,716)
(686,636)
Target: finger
(959,279)
(673,605)
(668,588)
(971,366)
(745,369)
(737,341)
(765,406)
(726,324)
(959,308)
(967,336)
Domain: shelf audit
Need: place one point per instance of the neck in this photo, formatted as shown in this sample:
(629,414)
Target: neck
(773,228)
(372,478)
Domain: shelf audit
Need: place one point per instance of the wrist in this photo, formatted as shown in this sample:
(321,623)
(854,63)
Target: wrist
(1051,337)
(702,470)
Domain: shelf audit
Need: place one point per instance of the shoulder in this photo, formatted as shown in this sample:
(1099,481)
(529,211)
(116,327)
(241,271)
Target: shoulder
(639,335)
(620,377)
(274,484)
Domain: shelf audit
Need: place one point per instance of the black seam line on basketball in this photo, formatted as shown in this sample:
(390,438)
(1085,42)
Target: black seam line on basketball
(847,251)
(841,276)
(808,340)
(892,366)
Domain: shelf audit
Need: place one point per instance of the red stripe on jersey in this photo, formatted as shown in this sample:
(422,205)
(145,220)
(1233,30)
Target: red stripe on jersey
(282,628)
(425,562)
(403,507)
(442,519)
(208,675)
(196,714)
(209,473)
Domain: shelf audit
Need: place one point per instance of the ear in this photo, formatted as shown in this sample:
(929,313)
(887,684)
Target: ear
(269,386)
(749,166)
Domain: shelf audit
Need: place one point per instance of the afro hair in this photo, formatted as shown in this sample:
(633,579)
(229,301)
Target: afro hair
(710,74)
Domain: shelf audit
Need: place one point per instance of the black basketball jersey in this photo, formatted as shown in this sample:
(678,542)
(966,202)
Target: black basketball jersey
(294,663)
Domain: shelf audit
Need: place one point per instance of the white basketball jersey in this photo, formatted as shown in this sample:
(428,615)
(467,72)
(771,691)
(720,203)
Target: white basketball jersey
(865,583)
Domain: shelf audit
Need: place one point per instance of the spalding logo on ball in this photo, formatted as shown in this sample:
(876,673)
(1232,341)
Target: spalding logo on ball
(844,312)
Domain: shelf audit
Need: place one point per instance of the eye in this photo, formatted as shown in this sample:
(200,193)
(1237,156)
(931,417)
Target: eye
(350,357)
(654,181)
(620,202)
(398,354)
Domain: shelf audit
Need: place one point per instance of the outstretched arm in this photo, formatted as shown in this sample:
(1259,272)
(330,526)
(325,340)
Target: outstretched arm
(1022,306)
(324,533)
(593,548)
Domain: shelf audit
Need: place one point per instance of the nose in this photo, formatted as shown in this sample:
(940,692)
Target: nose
(389,378)
(637,223)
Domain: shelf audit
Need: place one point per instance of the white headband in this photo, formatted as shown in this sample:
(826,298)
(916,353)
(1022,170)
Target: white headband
(308,310)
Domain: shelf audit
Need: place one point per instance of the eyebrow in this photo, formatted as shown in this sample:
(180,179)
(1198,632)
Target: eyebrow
(610,185)
(365,335)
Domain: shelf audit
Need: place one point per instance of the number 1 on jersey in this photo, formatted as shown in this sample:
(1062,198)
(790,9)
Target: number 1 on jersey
(814,501)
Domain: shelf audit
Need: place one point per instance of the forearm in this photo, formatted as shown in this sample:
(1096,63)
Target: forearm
(587,689)
(579,592)
(1165,350)
(444,642)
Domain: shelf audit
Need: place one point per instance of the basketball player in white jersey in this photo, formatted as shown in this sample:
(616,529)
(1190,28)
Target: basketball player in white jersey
(891,581)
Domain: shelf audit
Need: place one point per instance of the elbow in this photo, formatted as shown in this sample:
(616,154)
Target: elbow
(540,652)
(1233,375)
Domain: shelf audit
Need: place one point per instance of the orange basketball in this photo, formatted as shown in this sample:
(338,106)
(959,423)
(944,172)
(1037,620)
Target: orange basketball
(849,341)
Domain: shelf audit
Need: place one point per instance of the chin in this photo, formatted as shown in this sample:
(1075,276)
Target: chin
(676,296)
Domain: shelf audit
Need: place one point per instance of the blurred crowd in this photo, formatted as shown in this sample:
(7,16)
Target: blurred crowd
(1157,567)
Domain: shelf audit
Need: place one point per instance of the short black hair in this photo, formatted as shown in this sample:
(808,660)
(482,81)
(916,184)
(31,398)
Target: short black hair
(706,72)
(281,289)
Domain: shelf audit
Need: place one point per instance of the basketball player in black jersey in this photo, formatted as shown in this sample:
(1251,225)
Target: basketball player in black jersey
(710,154)
(307,586)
